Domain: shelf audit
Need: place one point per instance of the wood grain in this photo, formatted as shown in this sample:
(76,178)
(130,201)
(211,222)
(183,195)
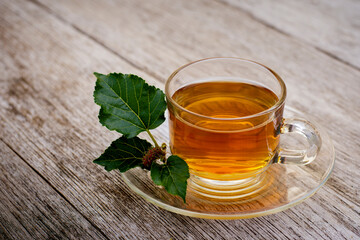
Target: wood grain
(32,209)
(330,26)
(313,78)
(47,115)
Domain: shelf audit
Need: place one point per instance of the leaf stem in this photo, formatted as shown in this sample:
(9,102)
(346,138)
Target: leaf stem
(152,138)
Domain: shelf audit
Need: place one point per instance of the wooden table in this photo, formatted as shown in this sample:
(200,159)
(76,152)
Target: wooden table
(49,131)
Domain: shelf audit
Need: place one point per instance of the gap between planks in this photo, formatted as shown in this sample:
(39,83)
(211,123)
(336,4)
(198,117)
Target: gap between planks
(156,76)
(58,192)
(267,24)
(61,19)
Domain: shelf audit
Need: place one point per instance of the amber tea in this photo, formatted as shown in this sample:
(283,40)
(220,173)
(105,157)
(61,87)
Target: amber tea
(226,121)
(214,138)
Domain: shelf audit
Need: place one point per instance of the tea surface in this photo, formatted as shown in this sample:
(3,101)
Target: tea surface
(226,148)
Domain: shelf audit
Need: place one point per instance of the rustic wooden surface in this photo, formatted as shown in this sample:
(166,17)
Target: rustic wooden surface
(49,131)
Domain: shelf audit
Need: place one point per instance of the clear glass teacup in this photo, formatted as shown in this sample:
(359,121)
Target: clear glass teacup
(226,120)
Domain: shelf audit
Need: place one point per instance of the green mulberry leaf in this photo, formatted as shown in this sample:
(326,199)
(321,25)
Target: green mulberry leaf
(128,104)
(124,154)
(172,175)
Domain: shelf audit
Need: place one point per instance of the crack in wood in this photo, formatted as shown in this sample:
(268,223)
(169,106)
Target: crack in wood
(48,10)
(56,190)
(267,24)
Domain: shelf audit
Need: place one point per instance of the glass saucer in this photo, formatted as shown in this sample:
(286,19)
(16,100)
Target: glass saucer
(286,185)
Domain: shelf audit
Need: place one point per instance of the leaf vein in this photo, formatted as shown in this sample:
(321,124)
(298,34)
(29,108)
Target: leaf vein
(137,101)
(125,103)
(119,159)
(172,178)
(132,146)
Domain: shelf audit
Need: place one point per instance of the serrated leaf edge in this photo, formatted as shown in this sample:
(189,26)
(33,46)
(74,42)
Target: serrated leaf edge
(103,106)
(131,110)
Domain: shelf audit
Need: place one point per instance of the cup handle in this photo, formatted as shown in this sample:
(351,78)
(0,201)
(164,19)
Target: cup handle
(309,132)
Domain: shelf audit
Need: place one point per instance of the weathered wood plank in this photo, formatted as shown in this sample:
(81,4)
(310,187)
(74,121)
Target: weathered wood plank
(312,77)
(31,209)
(61,132)
(169,39)
(331,26)
(47,114)
(60,139)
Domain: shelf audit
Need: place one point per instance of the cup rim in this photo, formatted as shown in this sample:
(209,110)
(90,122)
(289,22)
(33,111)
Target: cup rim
(277,105)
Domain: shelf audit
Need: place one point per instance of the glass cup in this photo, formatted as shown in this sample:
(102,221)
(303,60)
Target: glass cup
(226,120)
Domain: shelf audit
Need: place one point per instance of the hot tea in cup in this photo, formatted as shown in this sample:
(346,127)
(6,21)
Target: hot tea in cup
(226,118)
